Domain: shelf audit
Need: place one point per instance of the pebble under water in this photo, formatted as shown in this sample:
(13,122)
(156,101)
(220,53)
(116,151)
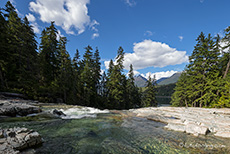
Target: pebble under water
(110,133)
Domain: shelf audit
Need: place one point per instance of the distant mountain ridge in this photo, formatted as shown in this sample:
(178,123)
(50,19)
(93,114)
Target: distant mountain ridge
(162,79)
(141,81)
(173,79)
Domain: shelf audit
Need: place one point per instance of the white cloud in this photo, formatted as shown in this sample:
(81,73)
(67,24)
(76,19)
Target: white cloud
(130,2)
(136,72)
(33,22)
(181,38)
(35,27)
(201,1)
(159,75)
(95,35)
(93,25)
(59,35)
(149,53)
(224,44)
(148,33)
(31,17)
(69,14)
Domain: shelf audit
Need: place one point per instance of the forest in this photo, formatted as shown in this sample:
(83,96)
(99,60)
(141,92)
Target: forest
(47,73)
(205,80)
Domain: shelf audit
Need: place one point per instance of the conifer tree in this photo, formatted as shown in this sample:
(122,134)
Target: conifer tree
(226,55)
(133,97)
(183,91)
(103,89)
(96,69)
(117,82)
(65,75)
(4,51)
(48,55)
(76,74)
(30,58)
(86,78)
(14,60)
(150,93)
(198,86)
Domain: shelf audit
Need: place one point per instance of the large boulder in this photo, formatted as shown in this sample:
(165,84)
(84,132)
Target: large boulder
(17,108)
(14,140)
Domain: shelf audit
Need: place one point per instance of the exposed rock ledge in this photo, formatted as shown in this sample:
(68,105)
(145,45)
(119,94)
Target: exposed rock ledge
(190,120)
(17,108)
(14,140)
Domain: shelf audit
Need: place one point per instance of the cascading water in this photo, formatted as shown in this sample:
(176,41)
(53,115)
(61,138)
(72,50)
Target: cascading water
(81,112)
(88,130)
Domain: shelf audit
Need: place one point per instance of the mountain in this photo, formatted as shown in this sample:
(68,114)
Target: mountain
(161,79)
(173,79)
(140,81)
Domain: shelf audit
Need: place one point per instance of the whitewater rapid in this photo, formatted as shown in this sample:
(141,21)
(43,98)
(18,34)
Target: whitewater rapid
(81,112)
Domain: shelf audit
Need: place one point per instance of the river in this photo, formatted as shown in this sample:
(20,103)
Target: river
(91,131)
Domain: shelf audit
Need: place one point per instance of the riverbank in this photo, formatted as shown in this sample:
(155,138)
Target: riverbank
(196,121)
(75,128)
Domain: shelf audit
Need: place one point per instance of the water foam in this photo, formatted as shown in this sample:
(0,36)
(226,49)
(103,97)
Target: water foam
(82,112)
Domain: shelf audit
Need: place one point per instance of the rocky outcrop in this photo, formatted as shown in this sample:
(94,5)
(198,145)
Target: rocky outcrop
(58,113)
(17,108)
(194,121)
(14,140)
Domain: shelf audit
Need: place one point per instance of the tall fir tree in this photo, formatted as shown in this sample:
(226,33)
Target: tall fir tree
(48,55)
(199,84)
(76,62)
(96,69)
(65,75)
(86,78)
(30,61)
(133,96)
(4,51)
(150,93)
(14,41)
(117,83)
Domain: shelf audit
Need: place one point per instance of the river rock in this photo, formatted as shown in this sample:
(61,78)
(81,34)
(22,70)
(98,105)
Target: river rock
(196,121)
(18,139)
(58,113)
(17,108)
(225,134)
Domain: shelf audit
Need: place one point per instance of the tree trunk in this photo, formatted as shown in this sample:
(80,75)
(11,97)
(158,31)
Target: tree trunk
(226,71)
(186,103)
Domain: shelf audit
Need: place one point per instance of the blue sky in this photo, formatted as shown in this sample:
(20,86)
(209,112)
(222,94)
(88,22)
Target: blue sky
(157,35)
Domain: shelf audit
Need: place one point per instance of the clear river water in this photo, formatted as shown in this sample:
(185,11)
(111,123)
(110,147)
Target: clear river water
(91,131)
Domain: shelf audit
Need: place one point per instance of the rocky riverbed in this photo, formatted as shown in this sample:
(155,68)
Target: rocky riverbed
(196,121)
(17,107)
(72,129)
(14,140)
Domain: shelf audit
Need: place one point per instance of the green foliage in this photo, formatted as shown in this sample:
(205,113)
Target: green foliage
(133,95)
(48,55)
(116,83)
(150,93)
(203,81)
(50,75)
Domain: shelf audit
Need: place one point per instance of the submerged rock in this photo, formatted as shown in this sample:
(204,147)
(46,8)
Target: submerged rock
(17,108)
(15,140)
